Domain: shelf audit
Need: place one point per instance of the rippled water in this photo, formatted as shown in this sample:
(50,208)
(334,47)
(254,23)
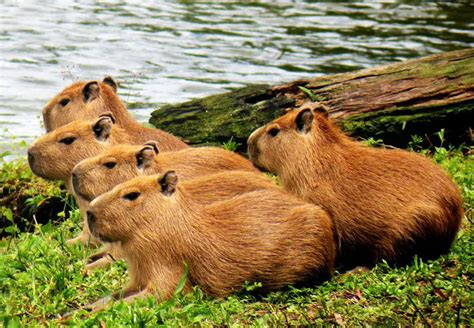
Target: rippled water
(173,51)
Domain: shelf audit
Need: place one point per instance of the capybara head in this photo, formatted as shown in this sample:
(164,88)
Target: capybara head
(130,209)
(54,155)
(289,137)
(80,101)
(97,175)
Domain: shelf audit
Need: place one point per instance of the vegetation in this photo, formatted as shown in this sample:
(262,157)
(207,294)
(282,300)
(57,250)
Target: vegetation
(42,277)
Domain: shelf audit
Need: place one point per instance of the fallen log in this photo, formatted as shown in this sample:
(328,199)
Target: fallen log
(391,102)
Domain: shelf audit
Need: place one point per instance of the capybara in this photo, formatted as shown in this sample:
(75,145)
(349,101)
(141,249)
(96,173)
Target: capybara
(204,190)
(54,155)
(85,100)
(265,236)
(96,175)
(387,204)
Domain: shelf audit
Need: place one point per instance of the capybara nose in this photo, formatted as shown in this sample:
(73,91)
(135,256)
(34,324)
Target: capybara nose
(90,219)
(31,158)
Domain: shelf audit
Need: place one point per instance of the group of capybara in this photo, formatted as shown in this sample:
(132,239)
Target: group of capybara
(167,208)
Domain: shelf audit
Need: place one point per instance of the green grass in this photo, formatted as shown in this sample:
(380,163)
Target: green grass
(41,277)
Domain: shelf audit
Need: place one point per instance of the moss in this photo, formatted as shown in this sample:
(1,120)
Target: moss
(26,199)
(396,125)
(445,69)
(215,119)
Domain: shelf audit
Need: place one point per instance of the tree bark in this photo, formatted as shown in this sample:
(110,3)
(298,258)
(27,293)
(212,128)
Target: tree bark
(391,102)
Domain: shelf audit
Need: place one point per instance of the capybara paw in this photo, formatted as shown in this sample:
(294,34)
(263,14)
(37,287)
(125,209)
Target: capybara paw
(96,262)
(74,241)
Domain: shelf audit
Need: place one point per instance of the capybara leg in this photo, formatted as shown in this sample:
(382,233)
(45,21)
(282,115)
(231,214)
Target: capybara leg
(108,254)
(135,295)
(102,260)
(128,295)
(74,241)
(84,239)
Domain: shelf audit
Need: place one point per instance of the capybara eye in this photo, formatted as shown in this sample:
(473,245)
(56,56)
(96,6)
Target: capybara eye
(67,140)
(110,165)
(64,102)
(273,131)
(131,195)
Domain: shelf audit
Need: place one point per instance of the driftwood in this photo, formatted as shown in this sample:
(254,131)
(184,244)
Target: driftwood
(392,103)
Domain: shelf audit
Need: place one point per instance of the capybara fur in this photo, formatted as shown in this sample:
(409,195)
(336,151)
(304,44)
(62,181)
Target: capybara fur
(205,190)
(86,100)
(264,236)
(96,175)
(387,204)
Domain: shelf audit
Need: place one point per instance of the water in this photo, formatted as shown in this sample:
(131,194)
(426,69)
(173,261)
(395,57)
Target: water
(174,51)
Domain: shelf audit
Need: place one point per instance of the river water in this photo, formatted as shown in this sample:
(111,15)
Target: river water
(163,52)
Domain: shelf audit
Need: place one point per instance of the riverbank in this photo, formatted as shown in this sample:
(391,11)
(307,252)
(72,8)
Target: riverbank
(42,277)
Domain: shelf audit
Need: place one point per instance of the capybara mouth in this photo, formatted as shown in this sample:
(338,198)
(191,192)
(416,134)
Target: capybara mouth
(261,168)
(77,189)
(104,239)
(91,221)
(39,173)
(253,153)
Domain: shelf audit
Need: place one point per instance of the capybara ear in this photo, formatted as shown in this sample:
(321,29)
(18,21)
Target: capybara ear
(145,156)
(90,91)
(322,109)
(304,120)
(168,182)
(153,144)
(103,126)
(108,114)
(110,82)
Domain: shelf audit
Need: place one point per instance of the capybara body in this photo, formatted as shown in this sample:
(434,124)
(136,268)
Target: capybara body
(265,235)
(204,190)
(387,204)
(86,100)
(96,175)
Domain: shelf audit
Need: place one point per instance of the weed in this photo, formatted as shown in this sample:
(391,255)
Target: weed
(309,94)
(231,145)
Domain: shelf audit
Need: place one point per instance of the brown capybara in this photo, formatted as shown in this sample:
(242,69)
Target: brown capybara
(387,204)
(265,236)
(204,190)
(96,175)
(85,100)
(54,155)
